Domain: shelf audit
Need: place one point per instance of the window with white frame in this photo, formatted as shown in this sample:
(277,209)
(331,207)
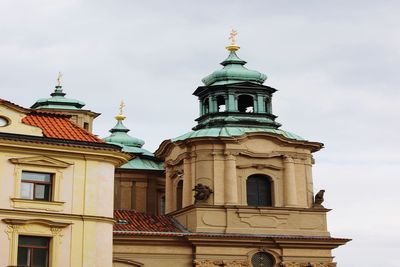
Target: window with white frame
(36,186)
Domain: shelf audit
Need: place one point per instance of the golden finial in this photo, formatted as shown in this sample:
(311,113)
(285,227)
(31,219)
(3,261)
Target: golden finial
(121,116)
(59,76)
(233,46)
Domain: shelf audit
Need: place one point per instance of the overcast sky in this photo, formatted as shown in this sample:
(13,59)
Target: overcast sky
(335,64)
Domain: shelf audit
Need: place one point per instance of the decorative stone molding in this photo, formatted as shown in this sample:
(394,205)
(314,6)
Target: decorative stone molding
(308,264)
(259,166)
(207,263)
(236,263)
(41,161)
(11,229)
(41,227)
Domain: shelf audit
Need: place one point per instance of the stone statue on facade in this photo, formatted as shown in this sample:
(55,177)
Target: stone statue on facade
(319,198)
(203,192)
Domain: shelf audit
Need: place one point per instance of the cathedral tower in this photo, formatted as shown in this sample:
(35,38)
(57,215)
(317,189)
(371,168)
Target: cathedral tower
(238,174)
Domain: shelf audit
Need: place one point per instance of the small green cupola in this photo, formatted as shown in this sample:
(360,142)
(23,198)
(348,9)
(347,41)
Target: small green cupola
(119,135)
(235,96)
(58,101)
(143,159)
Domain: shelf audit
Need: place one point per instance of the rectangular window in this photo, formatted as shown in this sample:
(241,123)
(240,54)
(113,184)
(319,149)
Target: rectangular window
(36,186)
(33,251)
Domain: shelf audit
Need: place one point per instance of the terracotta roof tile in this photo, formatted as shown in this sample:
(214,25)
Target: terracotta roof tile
(55,125)
(133,221)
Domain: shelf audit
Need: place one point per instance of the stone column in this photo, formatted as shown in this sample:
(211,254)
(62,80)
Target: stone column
(269,105)
(289,182)
(187,183)
(230,104)
(310,187)
(230,181)
(210,105)
(259,108)
(201,111)
(168,190)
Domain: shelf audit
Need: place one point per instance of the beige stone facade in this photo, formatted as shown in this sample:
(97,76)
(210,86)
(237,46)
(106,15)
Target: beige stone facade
(141,190)
(224,230)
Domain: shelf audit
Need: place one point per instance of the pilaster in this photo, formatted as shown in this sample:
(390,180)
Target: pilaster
(230,181)
(289,181)
(187,183)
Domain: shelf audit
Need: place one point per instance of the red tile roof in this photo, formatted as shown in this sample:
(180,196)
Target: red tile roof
(56,125)
(133,221)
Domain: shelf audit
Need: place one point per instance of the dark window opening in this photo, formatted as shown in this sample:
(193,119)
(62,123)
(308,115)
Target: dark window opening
(33,251)
(221,103)
(206,106)
(162,205)
(268,105)
(262,259)
(245,103)
(36,186)
(179,194)
(259,191)
(86,126)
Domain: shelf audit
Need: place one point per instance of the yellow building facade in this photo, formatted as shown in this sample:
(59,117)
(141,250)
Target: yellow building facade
(56,197)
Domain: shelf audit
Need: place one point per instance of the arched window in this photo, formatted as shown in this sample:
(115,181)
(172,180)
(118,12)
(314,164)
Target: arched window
(179,195)
(245,103)
(262,259)
(259,191)
(221,103)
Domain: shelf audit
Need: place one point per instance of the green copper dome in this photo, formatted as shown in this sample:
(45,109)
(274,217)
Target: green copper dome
(144,159)
(234,132)
(119,135)
(234,72)
(58,101)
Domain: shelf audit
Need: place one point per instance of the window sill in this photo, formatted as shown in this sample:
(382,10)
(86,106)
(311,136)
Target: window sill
(21,203)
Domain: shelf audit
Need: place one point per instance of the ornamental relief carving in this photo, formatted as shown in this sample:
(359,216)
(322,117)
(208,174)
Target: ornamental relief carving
(308,264)
(207,263)
(236,264)
(11,229)
(219,263)
(264,220)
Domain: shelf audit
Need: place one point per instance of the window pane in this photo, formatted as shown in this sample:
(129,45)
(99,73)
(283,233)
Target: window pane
(27,190)
(252,192)
(262,259)
(22,257)
(39,258)
(36,176)
(42,191)
(259,191)
(33,241)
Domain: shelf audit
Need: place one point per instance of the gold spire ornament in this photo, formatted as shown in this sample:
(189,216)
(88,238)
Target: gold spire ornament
(233,46)
(121,116)
(59,76)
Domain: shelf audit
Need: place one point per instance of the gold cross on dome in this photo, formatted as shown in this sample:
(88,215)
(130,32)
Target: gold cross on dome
(232,36)
(121,108)
(59,76)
